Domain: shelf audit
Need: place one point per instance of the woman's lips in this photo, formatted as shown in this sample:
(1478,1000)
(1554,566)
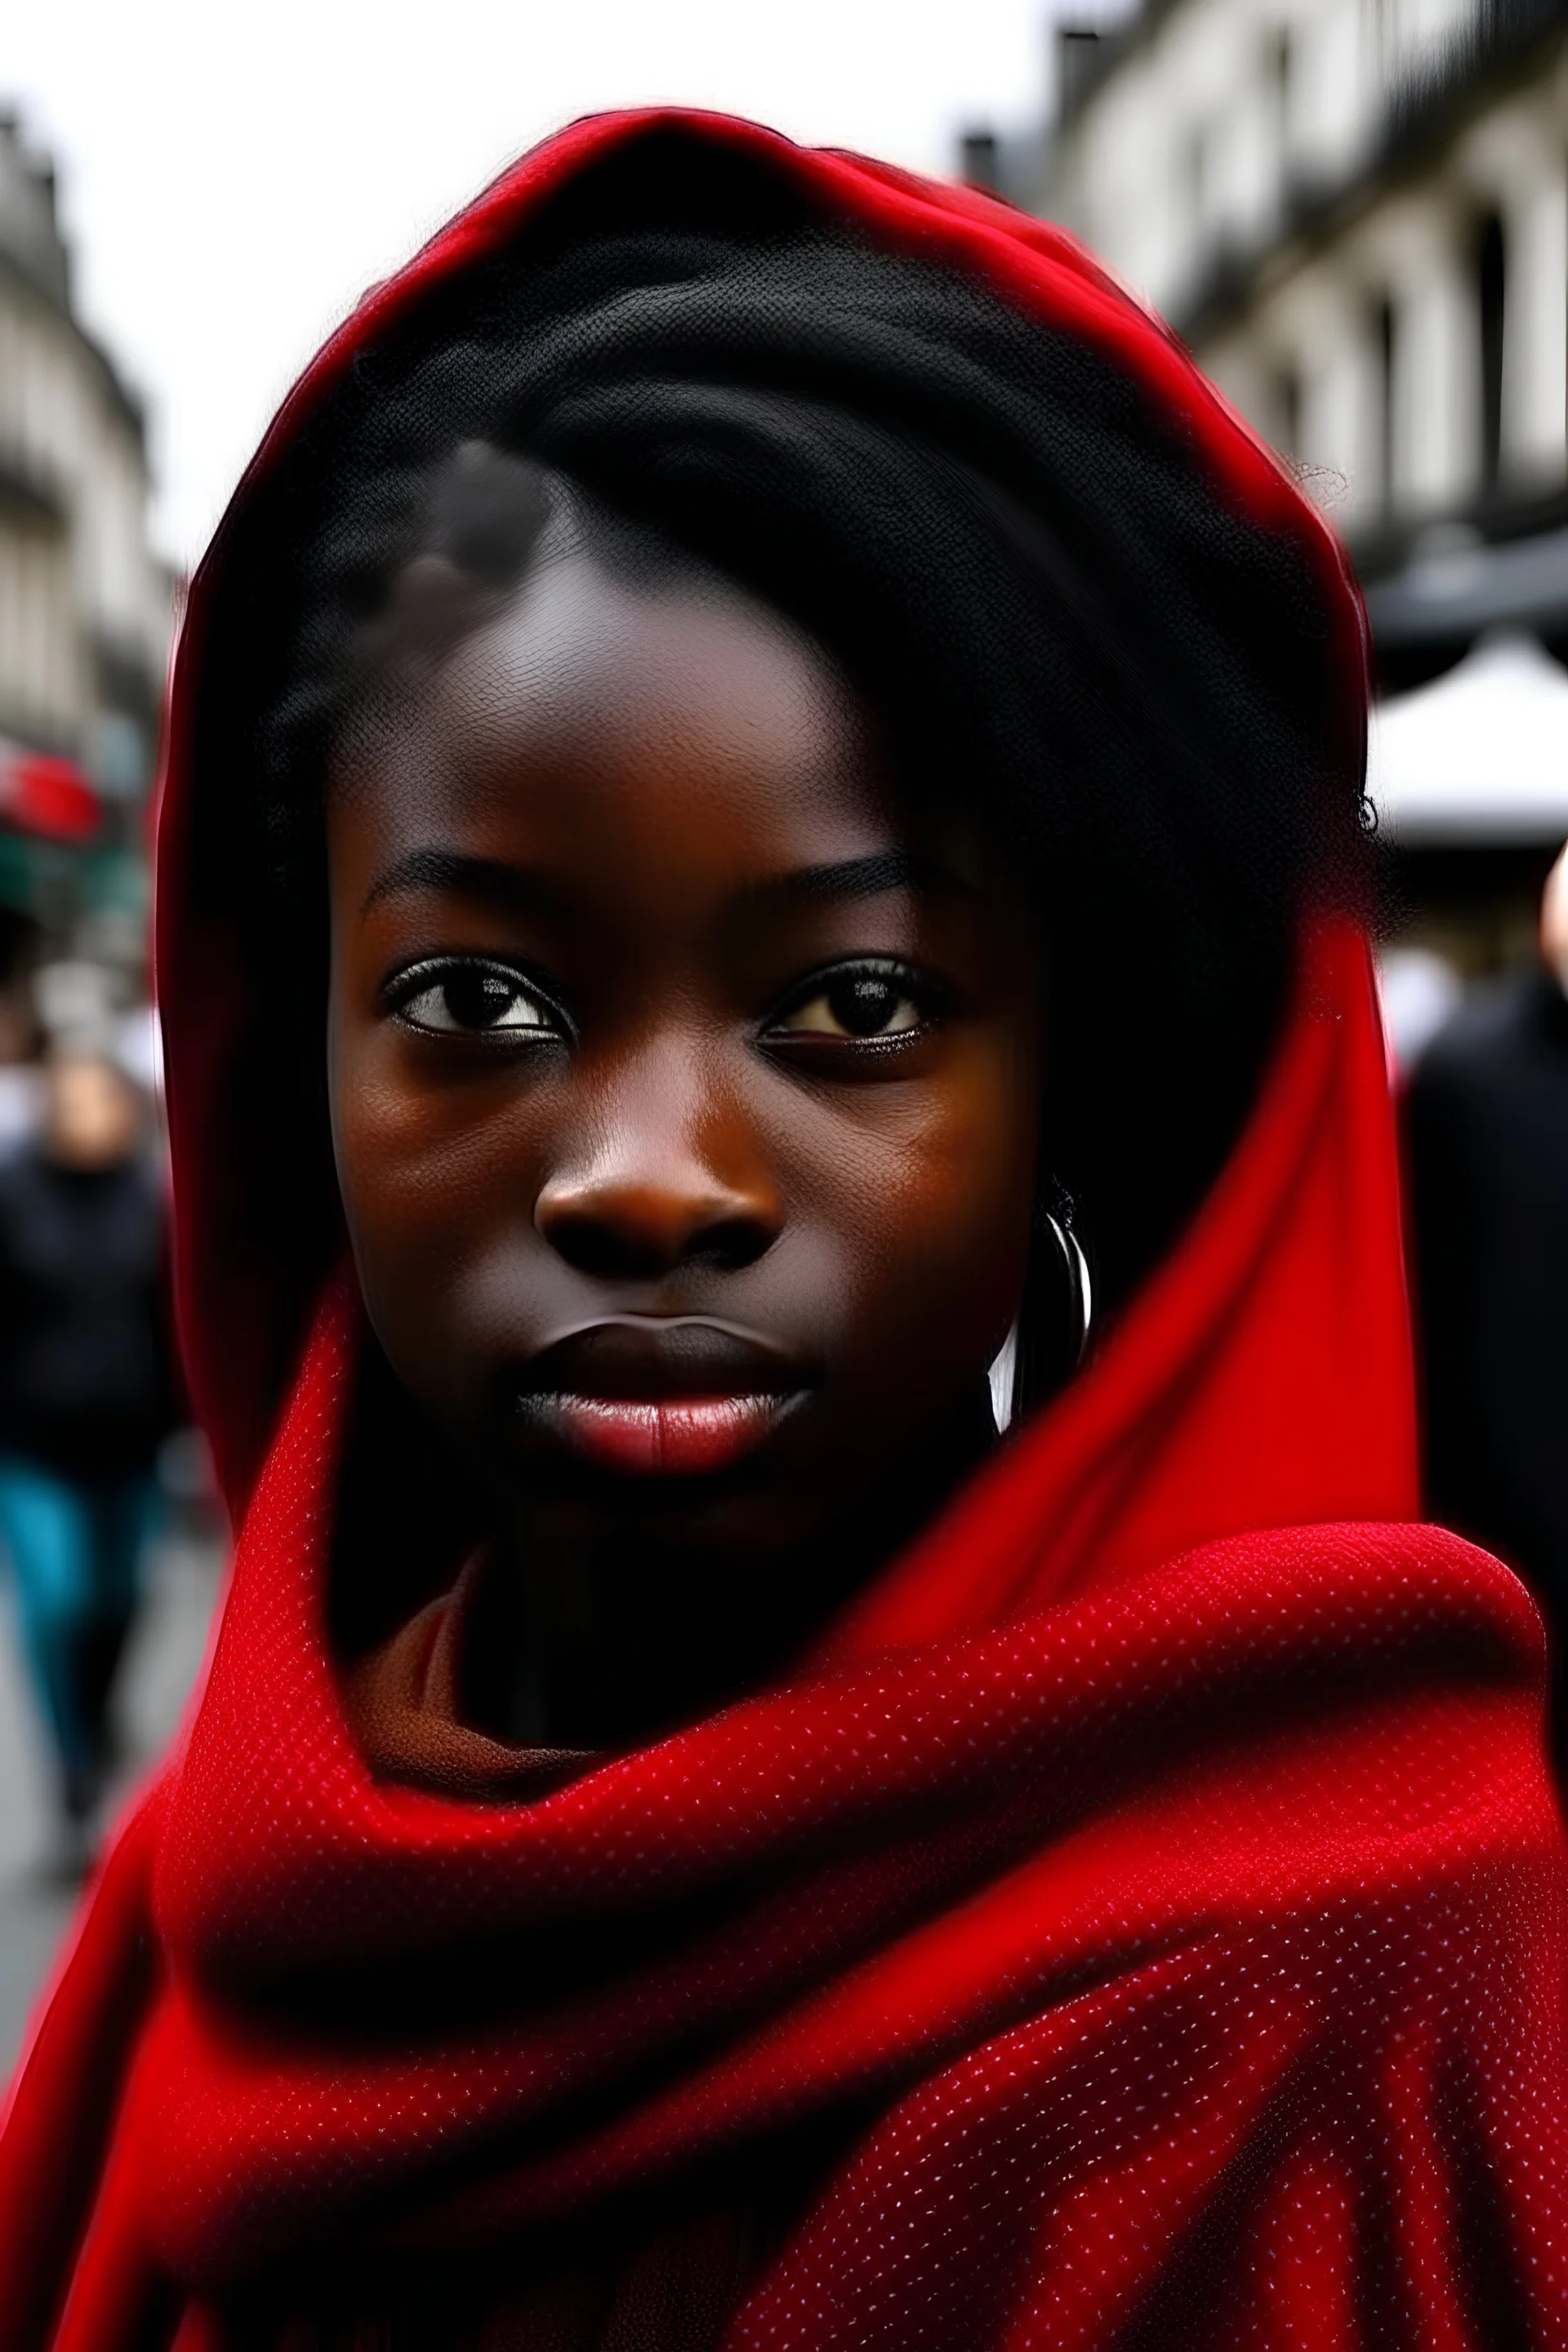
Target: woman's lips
(677,1436)
(649,1396)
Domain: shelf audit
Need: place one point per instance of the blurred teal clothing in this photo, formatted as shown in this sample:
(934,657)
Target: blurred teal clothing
(75,1548)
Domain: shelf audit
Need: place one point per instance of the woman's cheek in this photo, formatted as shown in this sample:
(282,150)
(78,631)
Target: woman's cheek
(930,1214)
(961,1175)
(410,1140)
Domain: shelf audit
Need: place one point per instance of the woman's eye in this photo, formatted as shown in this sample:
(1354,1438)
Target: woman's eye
(860,1001)
(466,999)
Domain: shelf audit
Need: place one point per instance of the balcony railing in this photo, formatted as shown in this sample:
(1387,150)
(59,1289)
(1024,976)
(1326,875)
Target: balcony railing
(1496,32)
(28,494)
(1416,111)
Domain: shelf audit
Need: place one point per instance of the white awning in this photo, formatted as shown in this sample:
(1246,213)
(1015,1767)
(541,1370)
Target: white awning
(1479,756)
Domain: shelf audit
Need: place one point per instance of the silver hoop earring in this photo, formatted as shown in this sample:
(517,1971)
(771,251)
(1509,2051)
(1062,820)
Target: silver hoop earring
(1004,1381)
(1080,1290)
(1013,1372)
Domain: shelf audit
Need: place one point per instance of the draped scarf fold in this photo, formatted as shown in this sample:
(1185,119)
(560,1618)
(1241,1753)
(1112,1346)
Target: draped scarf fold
(1165,1947)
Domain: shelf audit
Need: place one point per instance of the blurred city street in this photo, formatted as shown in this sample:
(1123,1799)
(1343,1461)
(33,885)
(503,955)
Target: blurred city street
(165,1651)
(890,736)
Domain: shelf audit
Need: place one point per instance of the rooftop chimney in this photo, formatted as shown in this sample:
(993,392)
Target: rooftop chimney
(979,161)
(1076,48)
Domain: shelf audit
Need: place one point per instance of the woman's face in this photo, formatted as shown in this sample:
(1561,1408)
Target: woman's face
(684,1093)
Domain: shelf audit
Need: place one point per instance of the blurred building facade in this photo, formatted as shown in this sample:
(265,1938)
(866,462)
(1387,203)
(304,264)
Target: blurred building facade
(1355,213)
(85,606)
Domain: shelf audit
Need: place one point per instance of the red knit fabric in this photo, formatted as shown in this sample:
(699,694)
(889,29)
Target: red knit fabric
(1154,1897)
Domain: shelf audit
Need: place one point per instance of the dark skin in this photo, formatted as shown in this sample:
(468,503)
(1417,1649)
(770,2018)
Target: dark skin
(684,1097)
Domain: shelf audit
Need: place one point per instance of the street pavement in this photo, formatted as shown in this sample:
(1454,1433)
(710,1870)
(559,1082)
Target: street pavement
(165,1650)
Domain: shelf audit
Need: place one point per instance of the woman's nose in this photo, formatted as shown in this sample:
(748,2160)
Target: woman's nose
(674,1176)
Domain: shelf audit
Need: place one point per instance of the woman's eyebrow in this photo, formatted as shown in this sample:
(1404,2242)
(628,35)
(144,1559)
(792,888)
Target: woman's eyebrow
(516,891)
(857,877)
(489,878)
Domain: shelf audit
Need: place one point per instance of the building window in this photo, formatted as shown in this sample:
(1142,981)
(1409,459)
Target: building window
(1199,173)
(1283,77)
(1491,297)
(1383,394)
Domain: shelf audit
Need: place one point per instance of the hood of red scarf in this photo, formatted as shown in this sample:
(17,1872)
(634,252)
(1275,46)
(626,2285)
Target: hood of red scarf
(246,1281)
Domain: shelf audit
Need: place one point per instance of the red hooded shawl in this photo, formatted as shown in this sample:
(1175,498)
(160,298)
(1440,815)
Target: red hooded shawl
(1147,1917)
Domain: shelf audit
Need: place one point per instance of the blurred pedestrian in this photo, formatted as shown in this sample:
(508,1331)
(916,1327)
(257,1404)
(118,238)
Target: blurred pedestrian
(85,1401)
(1486,1120)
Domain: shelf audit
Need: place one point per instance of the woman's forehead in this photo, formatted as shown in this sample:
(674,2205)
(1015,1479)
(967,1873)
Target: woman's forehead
(578,653)
(584,701)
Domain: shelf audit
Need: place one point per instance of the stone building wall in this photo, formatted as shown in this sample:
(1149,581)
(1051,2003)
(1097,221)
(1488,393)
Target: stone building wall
(84,604)
(1356,212)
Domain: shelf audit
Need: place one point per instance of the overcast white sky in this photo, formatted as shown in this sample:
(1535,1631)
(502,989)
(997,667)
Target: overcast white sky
(233,174)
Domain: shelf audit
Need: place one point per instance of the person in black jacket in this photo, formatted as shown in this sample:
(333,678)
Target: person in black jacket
(85,1398)
(1487,1124)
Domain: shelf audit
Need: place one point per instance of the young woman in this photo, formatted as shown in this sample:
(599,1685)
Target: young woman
(754,888)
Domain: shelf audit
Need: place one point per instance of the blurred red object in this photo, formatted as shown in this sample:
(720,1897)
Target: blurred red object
(43,794)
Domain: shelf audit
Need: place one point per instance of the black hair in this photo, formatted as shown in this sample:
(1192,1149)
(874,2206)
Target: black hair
(1027,566)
